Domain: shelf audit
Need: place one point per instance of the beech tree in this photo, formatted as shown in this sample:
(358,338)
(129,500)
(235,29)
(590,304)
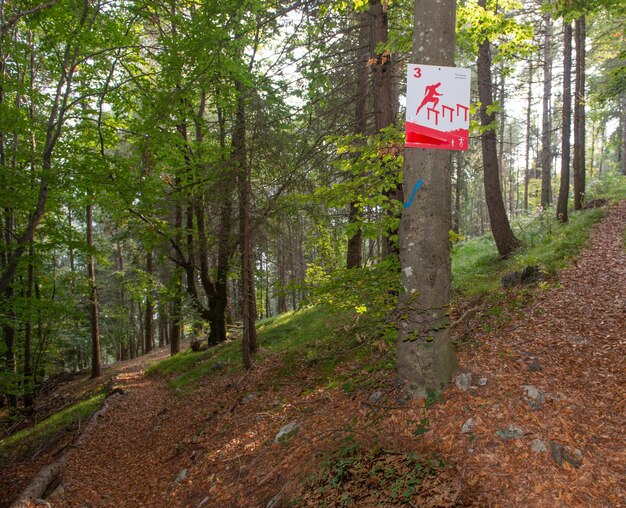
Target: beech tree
(425,355)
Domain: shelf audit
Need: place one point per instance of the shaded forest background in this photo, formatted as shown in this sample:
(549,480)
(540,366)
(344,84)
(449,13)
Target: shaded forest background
(169,168)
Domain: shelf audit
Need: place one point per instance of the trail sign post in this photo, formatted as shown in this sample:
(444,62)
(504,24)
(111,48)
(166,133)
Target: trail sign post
(437,107)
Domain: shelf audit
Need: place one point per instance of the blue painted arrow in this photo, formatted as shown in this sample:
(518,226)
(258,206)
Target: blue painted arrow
(415,189)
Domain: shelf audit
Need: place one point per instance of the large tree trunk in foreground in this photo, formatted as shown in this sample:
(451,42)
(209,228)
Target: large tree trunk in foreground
(425,355)
(500,227)
(561,207)
(579,116)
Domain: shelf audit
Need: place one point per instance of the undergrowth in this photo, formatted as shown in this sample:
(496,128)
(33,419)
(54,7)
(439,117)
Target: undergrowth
(547,244)
(32,438)
(317,338)
(350,312)
(353,475)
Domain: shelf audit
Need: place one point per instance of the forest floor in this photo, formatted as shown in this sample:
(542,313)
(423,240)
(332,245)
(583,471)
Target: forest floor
(536,417)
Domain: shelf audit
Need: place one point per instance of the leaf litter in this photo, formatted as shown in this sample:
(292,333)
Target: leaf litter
(222,433)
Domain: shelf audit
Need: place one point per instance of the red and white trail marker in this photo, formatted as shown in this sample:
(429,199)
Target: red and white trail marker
(437,107)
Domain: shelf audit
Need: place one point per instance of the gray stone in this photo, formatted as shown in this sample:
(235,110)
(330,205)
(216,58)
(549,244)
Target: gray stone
(538,446)
(287,432)
(513,432)
(248,398)
(468,426)
(482,381)
(182,476)
(273,503)
(562,454)
(579,339)
(376,396)
(526,276)
(533,404)
(219,365)
(535,366)
(534,394)
(463,381)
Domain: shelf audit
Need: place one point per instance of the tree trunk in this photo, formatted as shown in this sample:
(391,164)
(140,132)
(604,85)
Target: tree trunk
(561,207)
(28,332)
(282,276)
(149,326)
(249,340)
(121,295)
(177,333)
(546,132)
(579,116)
(529,103)
(425,355)
(96,369)
(501,131)
(382,93)
(512,180)
(458,189)
(500,227)
(623,101)
(354,256)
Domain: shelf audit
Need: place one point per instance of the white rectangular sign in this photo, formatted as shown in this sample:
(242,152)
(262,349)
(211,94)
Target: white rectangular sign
(437,107)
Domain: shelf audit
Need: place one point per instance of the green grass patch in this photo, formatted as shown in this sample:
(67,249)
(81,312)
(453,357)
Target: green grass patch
(33,437)
(611,186)
(477,267)
(305,337)
(548,244)
(188,367)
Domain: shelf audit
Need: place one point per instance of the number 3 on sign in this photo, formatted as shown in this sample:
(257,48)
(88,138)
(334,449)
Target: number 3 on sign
(417,72)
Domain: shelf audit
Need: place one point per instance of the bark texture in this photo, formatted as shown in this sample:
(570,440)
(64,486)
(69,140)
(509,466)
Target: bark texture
(546,129)
(579,116)
(561,207)
(249,341)
(500,227)
(354,255)
(149,326)
(425,357)
(382,94)
(96,369)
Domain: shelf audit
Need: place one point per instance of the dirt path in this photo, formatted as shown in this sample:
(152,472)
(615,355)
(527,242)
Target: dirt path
(132,449)
(568,344)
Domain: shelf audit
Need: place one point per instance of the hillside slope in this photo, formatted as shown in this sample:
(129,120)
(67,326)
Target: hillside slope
(540,421)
